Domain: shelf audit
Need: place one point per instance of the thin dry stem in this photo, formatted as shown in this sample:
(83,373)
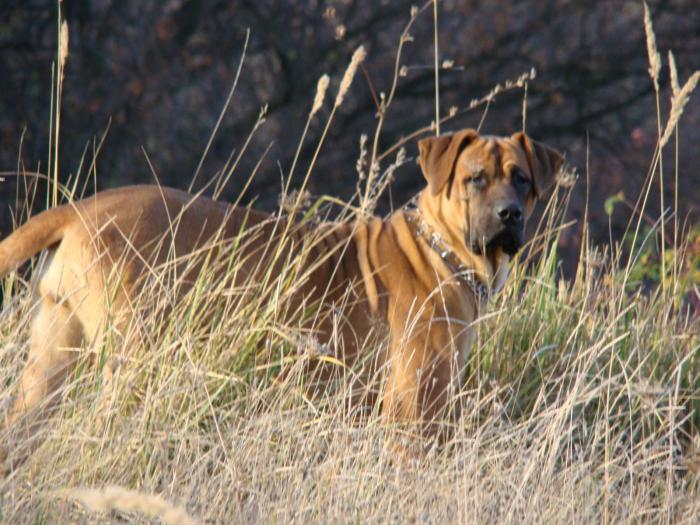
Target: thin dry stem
(654,69)
(436,68)
(222,113)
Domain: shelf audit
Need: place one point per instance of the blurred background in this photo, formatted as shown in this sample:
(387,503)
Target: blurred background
(160,72)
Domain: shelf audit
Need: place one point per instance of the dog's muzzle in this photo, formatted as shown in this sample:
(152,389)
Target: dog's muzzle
(510,240)
(509,214)
(504,228)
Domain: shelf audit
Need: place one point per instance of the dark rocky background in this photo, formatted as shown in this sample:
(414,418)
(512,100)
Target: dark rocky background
(161,71)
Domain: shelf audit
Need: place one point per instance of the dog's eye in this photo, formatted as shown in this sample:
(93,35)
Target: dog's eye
(477,179)
(519,178)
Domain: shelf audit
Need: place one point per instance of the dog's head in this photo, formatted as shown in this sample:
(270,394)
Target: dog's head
(484,188)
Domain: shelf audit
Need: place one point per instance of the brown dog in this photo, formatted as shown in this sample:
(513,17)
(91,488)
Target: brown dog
(424,271)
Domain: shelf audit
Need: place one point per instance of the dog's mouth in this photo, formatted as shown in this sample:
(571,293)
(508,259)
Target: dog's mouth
(510,240)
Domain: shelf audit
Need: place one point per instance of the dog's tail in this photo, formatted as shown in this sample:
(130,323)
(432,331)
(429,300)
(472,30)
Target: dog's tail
(41,231)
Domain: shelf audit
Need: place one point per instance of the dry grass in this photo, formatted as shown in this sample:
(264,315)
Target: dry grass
(581,406)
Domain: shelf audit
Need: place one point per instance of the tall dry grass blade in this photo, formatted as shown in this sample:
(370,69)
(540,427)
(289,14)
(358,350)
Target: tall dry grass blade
(386,102)
(675,90)
(357,58)
(49,158)
(62,57)
(321,88)
(654,69)
(437,68)
(223,111)
(524,107)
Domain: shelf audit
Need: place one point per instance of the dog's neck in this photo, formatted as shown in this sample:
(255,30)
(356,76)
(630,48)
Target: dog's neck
(489,270)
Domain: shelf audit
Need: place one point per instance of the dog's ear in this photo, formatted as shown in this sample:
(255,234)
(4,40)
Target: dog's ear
(544,162)
(438,155)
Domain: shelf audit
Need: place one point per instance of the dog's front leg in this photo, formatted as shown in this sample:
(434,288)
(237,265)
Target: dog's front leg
(420,384)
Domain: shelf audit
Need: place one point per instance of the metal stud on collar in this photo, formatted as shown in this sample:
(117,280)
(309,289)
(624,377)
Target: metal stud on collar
(465,275)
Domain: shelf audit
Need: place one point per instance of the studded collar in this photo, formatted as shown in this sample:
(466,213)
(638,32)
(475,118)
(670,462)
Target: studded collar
(466,276)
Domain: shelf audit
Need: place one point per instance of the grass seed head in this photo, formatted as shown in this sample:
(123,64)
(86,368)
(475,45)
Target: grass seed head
(357,57)
(321,89)
(652,51)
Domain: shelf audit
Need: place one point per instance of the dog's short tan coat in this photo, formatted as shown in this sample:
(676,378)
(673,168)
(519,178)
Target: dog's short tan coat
(398,277)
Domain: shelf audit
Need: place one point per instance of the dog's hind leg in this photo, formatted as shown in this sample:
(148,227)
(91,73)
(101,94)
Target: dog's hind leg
(55,336)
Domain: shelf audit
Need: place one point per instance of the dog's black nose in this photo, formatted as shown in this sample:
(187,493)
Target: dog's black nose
(510,213)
